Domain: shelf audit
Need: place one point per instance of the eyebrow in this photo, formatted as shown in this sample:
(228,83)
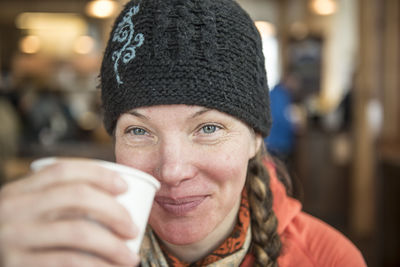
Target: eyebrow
(137,114)
(200,112)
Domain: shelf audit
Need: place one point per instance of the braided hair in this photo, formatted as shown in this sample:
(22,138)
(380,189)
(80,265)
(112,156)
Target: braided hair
(266,244)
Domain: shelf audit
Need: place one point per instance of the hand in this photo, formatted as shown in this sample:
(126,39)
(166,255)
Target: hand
(65,215)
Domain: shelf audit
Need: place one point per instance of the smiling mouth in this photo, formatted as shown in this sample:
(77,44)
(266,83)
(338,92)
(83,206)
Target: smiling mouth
(181,206)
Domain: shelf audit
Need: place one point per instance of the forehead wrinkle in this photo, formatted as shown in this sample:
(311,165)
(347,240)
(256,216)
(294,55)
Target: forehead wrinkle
(136,113)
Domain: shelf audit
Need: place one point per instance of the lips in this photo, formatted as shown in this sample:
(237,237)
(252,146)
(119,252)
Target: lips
(180,206)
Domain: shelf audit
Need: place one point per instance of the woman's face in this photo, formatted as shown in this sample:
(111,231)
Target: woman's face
(200,157)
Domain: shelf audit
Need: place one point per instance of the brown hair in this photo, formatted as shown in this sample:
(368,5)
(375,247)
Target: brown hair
(266,244)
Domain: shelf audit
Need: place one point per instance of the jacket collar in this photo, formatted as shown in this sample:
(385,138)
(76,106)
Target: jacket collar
(285,207)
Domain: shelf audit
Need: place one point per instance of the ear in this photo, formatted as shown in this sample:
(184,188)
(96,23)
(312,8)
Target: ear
(257,144)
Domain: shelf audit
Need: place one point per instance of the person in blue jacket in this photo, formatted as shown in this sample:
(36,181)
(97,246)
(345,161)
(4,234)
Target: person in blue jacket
(281,139)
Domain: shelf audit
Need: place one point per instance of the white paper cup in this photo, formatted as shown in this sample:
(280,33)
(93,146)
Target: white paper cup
(138,199)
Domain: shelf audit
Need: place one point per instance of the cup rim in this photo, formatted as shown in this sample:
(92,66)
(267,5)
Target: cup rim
(46,161)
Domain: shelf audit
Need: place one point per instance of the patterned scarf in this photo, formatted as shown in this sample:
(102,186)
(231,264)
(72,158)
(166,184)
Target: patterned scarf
(230,253)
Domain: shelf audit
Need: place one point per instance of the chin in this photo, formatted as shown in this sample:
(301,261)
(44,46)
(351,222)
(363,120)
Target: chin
(182,232)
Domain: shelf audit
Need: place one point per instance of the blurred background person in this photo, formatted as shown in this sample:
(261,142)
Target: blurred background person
(281,139)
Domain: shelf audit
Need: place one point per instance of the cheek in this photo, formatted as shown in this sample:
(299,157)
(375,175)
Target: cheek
(135,158)
(227,168)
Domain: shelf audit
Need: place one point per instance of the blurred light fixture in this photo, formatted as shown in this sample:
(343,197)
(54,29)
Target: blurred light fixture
(30,44)
(270,49)
(101,8)
(265,28)
(323,7)
(84,45)
(57,32)
(49,21)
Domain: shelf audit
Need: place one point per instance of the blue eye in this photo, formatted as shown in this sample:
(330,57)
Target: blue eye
(138,131)
(209,129)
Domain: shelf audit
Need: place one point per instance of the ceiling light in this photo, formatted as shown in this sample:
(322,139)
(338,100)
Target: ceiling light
(101,8)
(323,7)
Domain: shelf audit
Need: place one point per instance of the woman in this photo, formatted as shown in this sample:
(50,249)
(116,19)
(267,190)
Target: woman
(185,96)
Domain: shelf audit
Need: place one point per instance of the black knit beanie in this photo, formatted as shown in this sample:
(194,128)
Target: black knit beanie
(195,52)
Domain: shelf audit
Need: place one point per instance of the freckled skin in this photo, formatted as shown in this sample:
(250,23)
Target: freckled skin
(189,160)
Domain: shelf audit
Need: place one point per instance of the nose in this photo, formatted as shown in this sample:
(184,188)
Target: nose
(175,163)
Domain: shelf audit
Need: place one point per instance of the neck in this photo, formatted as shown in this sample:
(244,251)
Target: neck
(196,251)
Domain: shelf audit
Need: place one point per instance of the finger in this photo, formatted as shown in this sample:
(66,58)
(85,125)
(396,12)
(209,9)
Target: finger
(61,258)
(73,200)
(79,235)
(69,171)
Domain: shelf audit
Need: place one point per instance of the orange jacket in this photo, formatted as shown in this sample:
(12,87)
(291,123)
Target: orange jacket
(306,240)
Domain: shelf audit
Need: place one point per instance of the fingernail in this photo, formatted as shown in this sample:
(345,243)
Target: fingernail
(120,184)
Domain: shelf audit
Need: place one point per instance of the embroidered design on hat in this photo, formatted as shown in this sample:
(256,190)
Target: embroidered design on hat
(124,33)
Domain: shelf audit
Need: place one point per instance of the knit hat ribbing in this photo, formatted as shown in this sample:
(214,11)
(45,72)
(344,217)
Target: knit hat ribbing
(195,52)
